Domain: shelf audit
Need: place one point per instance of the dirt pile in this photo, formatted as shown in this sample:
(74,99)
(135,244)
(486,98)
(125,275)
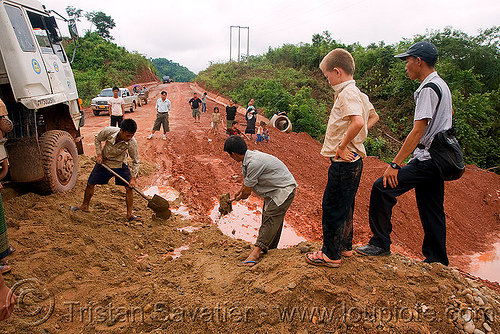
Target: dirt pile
(182,275)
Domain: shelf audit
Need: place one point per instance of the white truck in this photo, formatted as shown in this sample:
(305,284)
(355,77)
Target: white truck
(39,95)
(100,103)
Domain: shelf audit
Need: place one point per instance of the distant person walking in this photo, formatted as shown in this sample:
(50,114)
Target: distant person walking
(351,117)
(163,106)
(195,107)
(433,114)
(116,106)
(230,113)
(251,117)
(204,102)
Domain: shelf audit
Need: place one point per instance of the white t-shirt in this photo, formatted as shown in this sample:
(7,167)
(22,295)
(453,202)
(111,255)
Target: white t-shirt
(116,106)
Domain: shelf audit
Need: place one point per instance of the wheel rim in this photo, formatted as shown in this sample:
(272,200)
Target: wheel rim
(65,165)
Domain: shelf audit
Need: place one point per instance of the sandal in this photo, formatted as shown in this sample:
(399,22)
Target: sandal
(320,262)
(4,269)
(134,218)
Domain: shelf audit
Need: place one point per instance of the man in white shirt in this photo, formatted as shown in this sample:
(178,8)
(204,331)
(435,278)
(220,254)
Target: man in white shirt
(116,108)
(163,106)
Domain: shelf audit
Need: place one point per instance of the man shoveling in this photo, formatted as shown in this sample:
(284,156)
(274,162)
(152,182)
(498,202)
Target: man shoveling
(269,178)
(118,142)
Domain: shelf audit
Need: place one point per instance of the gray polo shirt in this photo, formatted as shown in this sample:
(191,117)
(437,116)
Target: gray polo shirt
(268,176)
(426,101)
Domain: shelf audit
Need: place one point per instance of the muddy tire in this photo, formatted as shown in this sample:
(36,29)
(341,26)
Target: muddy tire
(59,160)
(96,112)
(133,107)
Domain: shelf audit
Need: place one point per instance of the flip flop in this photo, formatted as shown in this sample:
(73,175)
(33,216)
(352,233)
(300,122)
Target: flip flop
(320,262)
(134,218)
(4,269)
(253,263)
(74,208)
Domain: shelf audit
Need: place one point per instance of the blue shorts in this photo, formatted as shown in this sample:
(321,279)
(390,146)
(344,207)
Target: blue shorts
(259,138)
(101,175)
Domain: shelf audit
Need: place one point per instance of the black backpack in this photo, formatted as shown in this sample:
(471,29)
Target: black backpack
(445,149)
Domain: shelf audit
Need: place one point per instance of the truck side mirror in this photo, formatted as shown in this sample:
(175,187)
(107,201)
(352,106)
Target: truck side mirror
(54,34)
(72,29)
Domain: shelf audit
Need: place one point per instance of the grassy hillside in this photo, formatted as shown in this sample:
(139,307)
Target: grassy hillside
(175,71)
(287,78)
(99,64)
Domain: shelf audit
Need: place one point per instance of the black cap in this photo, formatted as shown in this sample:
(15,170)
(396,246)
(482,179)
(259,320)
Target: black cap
(423,50)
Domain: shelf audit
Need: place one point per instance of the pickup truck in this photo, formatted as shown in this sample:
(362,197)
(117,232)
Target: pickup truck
(100,103)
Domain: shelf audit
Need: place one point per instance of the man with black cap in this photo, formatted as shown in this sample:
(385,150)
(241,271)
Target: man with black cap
(433,114)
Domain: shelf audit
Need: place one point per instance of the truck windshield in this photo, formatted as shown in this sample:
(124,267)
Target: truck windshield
(108,92)
(20,28)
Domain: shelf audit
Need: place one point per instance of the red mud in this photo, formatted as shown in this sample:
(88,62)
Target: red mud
(192,160)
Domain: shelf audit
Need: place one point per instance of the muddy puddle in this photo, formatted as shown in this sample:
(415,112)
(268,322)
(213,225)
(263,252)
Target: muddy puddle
(172,196)
(244,222)
(487,265)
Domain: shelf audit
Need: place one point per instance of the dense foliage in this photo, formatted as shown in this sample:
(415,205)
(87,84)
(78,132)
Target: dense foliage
(287,78)
(175,71)
(100,64)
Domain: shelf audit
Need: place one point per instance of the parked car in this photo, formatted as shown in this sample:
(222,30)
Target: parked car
(99,104)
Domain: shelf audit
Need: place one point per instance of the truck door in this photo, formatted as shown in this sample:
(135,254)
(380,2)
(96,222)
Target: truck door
(22,60)
(55,61)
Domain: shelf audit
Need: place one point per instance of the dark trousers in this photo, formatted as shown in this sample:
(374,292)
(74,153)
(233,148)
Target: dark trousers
(338,207)
(429,192)
(116,120)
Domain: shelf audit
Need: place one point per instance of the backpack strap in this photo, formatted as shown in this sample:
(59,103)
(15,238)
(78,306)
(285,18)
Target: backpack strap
(436,89)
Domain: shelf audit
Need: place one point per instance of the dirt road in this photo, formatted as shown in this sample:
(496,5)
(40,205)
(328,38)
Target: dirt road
(102,274)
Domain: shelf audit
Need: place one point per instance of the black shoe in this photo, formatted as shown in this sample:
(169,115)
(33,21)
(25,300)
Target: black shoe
(373,250)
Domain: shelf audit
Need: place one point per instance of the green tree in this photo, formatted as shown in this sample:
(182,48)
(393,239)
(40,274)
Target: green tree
(102,22)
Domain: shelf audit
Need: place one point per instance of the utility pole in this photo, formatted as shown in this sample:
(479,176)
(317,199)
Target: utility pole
(239,41)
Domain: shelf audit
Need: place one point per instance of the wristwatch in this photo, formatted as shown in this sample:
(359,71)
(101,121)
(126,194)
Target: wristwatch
(394,165)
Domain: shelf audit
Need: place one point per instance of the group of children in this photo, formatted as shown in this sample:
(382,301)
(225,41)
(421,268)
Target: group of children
(262,130)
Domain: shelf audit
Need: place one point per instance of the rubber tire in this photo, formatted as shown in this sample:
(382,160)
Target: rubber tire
(96,112)
(51,144)
(133,107)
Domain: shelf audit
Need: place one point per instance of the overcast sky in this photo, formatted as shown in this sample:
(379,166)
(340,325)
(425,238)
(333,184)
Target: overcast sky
(194,33)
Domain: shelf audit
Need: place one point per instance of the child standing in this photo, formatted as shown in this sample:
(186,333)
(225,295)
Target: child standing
(259,133)
(265,132)
(351,116)
(216,120)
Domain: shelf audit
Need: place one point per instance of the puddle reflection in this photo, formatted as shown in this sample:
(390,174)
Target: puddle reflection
(244,223)
(487,265)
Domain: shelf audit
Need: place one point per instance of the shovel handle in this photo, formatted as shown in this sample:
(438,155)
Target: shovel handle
(125,181)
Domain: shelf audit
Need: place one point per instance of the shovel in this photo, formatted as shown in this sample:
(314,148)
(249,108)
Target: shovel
(158,204)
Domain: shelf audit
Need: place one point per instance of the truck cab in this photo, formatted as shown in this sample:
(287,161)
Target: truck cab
(39,91)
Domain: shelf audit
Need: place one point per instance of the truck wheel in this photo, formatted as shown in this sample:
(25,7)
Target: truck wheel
(133,107)
(59,160)
(96,112)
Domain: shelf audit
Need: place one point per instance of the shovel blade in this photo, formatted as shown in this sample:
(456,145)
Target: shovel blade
(158,204)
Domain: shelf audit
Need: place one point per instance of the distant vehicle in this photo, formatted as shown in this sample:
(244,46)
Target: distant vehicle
(40,112)
(100,103)
(166,79)
(143,96)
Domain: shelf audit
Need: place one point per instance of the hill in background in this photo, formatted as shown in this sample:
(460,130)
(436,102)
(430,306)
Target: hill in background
(174,70)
